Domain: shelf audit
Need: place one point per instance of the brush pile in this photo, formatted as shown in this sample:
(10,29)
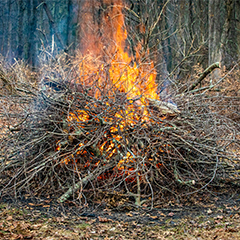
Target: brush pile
(69,138)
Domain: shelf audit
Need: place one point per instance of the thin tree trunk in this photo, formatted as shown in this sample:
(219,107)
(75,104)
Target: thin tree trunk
(9,33)
(20,29)
(3,29)
(214,35)
(69,22)
(32,16)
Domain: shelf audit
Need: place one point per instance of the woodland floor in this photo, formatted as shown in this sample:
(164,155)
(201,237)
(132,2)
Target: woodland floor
(210,216)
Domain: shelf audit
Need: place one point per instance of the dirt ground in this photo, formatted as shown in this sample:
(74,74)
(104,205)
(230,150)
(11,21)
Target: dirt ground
(212,217)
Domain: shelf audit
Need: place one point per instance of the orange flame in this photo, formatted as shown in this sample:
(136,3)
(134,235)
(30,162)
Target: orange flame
(107,44)
(108,65)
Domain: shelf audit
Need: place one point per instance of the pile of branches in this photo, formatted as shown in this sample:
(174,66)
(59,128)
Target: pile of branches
(63,139)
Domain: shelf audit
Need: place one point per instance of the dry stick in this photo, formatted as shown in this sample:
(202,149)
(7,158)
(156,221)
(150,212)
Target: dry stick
(208,88)
(203,75)
(74,188)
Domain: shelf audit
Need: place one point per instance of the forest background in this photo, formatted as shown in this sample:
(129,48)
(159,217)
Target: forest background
(187,33)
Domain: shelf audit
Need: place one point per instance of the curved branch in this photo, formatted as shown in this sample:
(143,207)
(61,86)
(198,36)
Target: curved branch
(203,75)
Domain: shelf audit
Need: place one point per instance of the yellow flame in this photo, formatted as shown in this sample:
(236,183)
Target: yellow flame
(136,79)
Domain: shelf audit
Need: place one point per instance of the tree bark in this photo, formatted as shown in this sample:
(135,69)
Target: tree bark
(20,29)
(32,17)
(215,31)
(69,22)
(9,56)
(230,33)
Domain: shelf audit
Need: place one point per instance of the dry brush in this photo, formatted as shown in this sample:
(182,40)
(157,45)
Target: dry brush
(63,137)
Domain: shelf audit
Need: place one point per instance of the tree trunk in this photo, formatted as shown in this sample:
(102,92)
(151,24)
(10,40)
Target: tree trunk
(20,29)
(32,16)
(9,56)
(214,34)
(69,24)
(231,37)
(2,28)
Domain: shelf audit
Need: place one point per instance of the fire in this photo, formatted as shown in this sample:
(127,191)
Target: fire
(135,78)
(106,68)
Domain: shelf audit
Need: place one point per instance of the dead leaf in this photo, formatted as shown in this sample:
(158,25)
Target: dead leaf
(231,230)
(171,214)
(236,216)
(35,226)
(103,219)
(91,221)
(235,208)
(60,219)
(46,206)
(129,214)
(162,214)
(14,236)
(9,218)
(209,211)
(154,217)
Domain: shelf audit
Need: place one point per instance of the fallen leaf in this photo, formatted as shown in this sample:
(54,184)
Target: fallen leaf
(236,208)
(236,216)
(129,214)
(36,226)
(162,214)
(171,214)
(231,230)
(209,211)
(103,219)
(91,221)
(15,236)
(9,218)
